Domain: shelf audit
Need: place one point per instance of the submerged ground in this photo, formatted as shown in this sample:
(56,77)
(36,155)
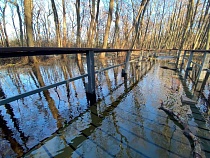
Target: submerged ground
(125,122)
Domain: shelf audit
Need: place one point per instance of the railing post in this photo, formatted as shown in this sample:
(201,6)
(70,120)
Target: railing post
(204,81)
(91,96)
(201,77)
(205,65)
(125,71)
(141,55)
(178,56)
(202,65)
(181,67)
(188,65)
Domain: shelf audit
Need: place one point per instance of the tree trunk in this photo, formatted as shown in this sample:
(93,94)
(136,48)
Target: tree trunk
(20,24)
(201,26)
(28,5)
(28,9)
(57,24)
(19,18)
(138,22)
(116,32)
(134,25)
(94,26)
(146,30)
(161,23)
(13,23)
(187,23)
(78,42)
(2,34)
(108,25)
(39,38)
(64,23)
(4,25)
(91,27)
(208,37)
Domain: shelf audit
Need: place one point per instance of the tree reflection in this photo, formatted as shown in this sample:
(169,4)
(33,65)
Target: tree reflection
(104,65)
(8,133)
(46,93)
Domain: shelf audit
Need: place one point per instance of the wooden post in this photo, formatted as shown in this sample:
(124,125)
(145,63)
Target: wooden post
(90,89)
(125,71)
(204,62)
(178,56)
(205,80)
(205,65)
(188,65)
(181,67)
(91,72)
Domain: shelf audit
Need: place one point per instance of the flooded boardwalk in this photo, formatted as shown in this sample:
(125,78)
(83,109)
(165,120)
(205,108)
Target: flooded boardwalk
(125,122)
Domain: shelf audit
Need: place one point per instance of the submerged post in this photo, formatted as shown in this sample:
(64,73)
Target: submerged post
(188,68)
(125,71)
(201,77)
(178,56)
(205,80)
(90,89)
(183,58)
(204,66)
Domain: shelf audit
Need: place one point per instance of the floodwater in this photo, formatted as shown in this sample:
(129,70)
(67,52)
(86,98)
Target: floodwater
(125,121)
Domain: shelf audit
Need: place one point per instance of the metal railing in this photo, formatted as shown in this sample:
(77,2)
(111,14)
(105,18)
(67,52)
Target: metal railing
(90,89)
(35,51)
(190,63)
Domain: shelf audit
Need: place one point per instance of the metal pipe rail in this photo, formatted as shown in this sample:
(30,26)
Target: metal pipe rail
(190,61)
(34,51)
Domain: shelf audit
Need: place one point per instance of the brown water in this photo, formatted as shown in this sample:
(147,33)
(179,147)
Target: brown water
(125,122)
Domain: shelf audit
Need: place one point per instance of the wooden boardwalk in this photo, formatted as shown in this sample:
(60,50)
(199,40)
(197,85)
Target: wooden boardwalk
(128,123)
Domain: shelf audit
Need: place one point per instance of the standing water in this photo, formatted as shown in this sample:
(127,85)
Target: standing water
(125,121)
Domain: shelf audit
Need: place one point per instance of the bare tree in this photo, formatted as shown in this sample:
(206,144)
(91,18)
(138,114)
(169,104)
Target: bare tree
(4,23)
(28,9)
(90,29)
(28,6)
(136,22)
(108,25)
(64,23)
(78,23)
(19,18)
(95,25)
(57,24)
(115,41)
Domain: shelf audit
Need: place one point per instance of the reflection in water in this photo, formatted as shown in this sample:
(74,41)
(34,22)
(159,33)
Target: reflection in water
(48,98)
(7,133)
(36,117)
(124,122)
(96,118)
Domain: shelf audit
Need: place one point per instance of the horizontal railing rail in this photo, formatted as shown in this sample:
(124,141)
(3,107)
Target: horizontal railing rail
(36,51)
(191,63)
(26,94)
